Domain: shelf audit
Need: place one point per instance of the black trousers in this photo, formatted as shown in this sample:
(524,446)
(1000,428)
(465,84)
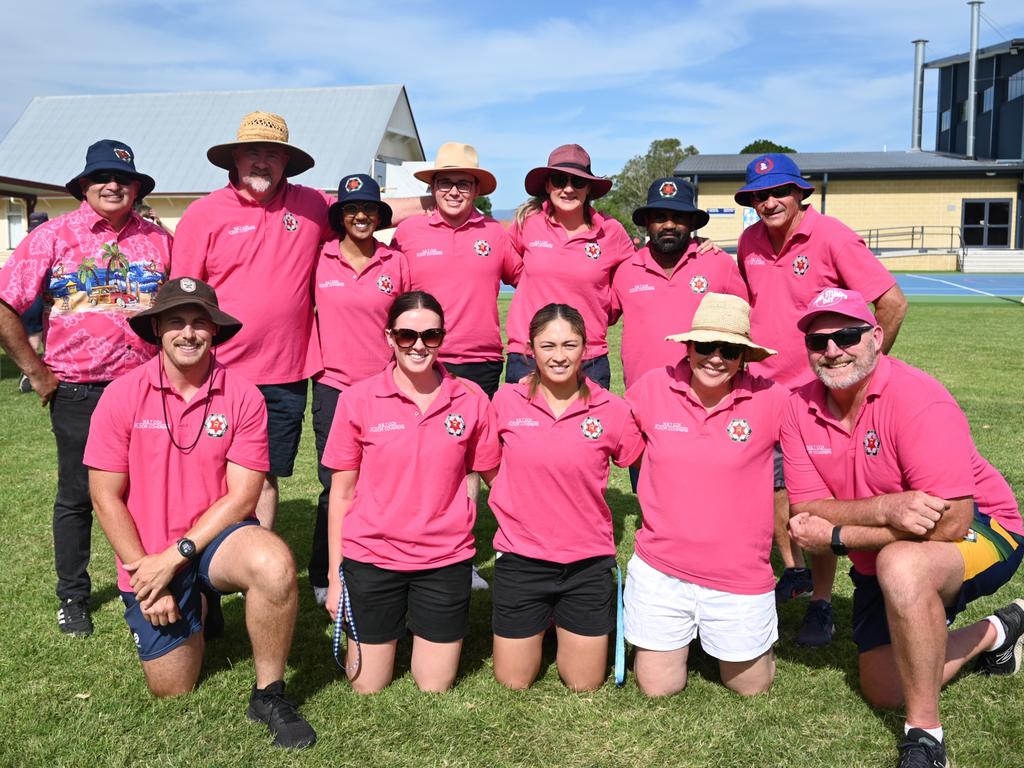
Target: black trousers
(325,402)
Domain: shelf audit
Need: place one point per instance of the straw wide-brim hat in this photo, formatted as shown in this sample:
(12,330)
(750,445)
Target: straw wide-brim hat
(725,318)
(177,293)
(462,158)
(261,128)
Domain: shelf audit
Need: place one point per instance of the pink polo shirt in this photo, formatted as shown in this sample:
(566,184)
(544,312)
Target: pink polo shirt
(822,253)
(573,270)
(652,306)
(411,510)
(260,260)
(910,435)
(92,280)
(352,310)
(168,490)
(463,268)
(705,486)
(548,496)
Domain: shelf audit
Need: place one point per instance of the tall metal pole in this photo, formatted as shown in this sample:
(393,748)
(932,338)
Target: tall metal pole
(972,75)
(915,132)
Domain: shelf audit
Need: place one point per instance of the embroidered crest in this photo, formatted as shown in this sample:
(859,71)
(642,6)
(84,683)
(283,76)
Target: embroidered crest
(592,249)
(739,430)
(188,285)
(123,154)
(216,424)
(764,165)
(482,248)
(454,424)
(385,283)
(353,184)
(699,284)
(668,189)
(800,265)
(871,442)
(592,428)
(290,222)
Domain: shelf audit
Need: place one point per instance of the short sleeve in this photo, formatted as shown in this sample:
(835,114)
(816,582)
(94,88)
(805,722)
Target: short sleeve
(803,482)
(344,448)
(110,430)
(249,447)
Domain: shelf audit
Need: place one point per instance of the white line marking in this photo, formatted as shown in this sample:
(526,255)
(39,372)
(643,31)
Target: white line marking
(955,285)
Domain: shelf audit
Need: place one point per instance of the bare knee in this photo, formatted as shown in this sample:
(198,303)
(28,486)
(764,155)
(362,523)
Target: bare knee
(167,689)
(581,683)
(750,687)
(272,570)
(882,696)
(517,681)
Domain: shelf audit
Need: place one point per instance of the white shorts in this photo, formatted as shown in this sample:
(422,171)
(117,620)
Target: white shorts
(663,613)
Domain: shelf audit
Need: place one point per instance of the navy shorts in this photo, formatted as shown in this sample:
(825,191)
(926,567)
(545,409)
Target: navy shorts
(432,603)
(152,642)
(286,408)
(597,368)
(486,374)
(580,596)
(991,557)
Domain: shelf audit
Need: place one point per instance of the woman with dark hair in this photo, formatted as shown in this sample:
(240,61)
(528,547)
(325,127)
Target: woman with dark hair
(356,280)
(400,522)
(555,547)
(569,253)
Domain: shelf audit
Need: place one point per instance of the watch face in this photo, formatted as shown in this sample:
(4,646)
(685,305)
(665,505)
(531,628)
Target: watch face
(187,548)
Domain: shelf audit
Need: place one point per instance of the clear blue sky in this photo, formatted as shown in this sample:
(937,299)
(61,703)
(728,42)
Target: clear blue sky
(518,78)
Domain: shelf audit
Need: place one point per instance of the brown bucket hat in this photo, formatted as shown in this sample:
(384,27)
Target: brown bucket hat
(261,128)
(178,292)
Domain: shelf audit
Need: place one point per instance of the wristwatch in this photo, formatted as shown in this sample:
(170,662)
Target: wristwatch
(838,548)
(187,548)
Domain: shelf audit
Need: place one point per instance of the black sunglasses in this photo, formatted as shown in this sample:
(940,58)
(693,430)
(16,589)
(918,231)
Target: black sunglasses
(351,209)
(844,337)
(777,192)
(727,351)
(106,178)
(405,338)
(559,180)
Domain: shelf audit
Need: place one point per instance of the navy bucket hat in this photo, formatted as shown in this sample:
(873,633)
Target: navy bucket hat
(770,171)
(670,194)
(111,156)
(357,188)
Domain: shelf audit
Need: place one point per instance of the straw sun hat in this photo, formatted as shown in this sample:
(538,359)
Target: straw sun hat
(463,158)
(724,318)
(261,128)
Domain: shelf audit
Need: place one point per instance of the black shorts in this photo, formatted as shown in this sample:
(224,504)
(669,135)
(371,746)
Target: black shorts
(432,604)
(528,592)
(486,374)
(286,408)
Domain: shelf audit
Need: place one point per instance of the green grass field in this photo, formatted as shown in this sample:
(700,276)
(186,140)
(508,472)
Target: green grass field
(75,702)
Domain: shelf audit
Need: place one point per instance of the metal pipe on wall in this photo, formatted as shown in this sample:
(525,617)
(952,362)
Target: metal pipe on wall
(972,76)
(918,114)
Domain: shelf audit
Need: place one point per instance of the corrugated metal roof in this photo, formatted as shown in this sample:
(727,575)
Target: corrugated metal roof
(341,128)
(853,163)
(983,53)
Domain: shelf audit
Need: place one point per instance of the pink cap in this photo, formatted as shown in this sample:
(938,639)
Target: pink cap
(837,301)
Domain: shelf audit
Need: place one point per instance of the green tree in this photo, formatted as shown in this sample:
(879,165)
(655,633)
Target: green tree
(629,190)
(761,146)
(483,204)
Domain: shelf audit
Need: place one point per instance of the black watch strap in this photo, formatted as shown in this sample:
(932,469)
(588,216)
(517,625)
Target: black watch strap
(838,548)
(187,548)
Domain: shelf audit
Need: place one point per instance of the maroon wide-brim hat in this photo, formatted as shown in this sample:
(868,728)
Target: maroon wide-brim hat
(572,159)
(176,293)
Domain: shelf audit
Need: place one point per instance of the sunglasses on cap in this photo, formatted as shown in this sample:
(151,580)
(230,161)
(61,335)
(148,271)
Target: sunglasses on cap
(843,338)
(726,351)
(405,338)
(351,209)
(778,193)
(106,178)
(559,179)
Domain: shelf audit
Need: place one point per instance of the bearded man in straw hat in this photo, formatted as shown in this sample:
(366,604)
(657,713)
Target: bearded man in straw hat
(189,525)
(95,267)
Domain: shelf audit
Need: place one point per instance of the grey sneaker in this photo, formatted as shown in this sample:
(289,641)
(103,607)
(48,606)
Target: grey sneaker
(818,627)
(794,582)
(320,595)
(73,617)
(1005,660)
(479,583)
(920,750)
(24,385)
(289,729)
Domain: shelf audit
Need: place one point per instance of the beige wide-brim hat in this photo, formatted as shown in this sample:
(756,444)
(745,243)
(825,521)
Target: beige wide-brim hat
(725,318)
(261,128)
(453,156)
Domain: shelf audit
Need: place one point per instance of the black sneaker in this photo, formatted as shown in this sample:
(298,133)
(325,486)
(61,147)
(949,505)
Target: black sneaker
(794,582)
(818,627)
(920,750)
(24,385)
(73,617)
(1005,660)
(289,729)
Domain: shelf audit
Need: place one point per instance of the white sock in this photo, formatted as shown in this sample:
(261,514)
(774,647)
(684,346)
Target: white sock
(1000,632)
(935,733)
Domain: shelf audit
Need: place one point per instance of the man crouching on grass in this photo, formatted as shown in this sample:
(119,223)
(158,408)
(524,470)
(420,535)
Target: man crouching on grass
(177,452)
(880,461)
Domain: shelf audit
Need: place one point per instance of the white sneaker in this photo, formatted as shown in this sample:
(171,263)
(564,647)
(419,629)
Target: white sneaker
(320,595)
(478,582)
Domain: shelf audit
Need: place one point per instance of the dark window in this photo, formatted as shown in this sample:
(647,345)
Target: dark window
(1015,87)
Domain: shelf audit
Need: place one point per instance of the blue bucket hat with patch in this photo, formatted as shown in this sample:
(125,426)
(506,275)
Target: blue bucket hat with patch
(111,156)
(670,194)
(770,171)
(356,188)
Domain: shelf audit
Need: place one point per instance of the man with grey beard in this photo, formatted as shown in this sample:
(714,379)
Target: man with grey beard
(880,465)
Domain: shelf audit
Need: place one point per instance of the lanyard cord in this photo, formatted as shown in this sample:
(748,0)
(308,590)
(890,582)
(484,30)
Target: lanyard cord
(344,615)
(206,410)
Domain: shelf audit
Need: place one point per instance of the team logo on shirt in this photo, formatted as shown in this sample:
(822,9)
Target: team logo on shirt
(290,222)
(764,165)
(738,430)
(216,424)
(592,428)
(482,248)
(385,283)
(353,184)
(123,154)
(592,249)
(668,189)
(188,285)
(454,424)
(800,265)
(699,284)
(871,442)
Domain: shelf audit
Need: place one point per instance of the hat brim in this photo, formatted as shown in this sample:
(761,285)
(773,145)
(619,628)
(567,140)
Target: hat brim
(537,178)
(227,326)
(865,317)
(484,179)
(298,160)
(640,214)
(770,181)
(753,354)
(146,183)
(336,220)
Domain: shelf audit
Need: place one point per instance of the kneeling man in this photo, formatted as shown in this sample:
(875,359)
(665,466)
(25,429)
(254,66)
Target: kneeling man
(177,452)
(879,460)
